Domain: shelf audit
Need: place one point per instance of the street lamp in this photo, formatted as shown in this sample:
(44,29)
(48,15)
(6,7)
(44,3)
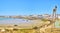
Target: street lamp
(54,13)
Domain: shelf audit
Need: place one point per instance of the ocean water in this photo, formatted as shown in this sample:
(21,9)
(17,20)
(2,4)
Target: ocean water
(20,22)
(13,21)
(23,22)
(4,18)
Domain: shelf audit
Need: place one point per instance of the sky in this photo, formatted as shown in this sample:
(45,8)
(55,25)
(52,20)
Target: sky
(28,7)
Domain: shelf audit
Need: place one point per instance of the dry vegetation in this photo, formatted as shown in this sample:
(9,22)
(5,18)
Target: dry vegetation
(48,30)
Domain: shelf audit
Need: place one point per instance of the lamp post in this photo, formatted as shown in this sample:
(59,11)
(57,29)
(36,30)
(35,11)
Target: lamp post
(54,15)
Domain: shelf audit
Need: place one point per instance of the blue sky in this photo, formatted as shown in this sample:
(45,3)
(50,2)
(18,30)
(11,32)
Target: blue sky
(28,7)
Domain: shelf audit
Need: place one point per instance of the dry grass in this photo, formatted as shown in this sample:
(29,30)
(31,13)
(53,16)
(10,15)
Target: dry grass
(48,30)
(52,30)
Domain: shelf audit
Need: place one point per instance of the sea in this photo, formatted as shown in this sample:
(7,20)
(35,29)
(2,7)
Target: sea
(23,22)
